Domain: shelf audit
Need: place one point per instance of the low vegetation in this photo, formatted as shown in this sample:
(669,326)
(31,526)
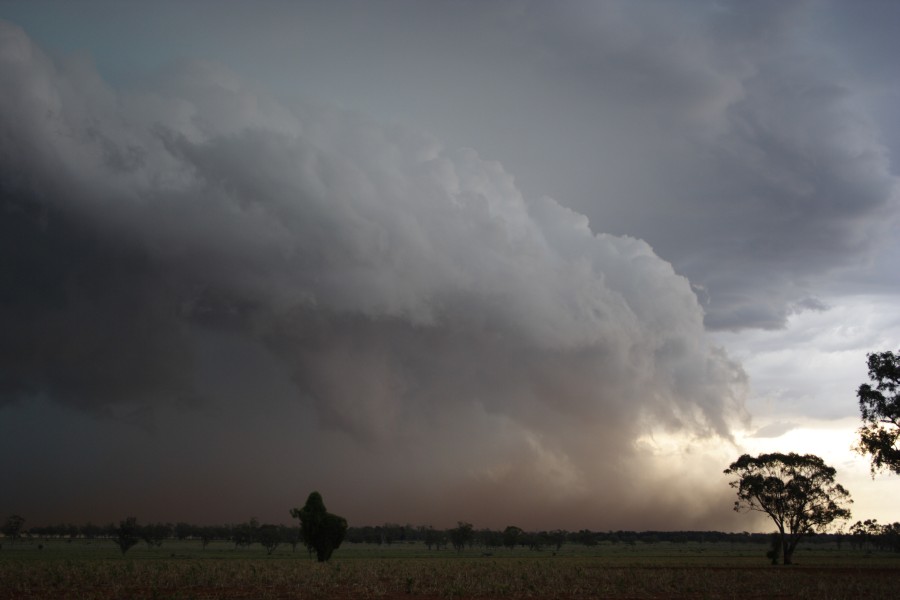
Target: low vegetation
(91,569)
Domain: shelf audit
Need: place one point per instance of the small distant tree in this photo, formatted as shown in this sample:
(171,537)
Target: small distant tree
(587,537)
(433,537)
(461,535)
(797,491)
(557,538)
(12,529)
(207,534)
(90,531)
(534,541)
(183,531)
(891,536)
(245,533)
(155,534)
(322,531)
(270,536)
(293,536)
(127,534)
(511,536)
(864,533)
(879,406)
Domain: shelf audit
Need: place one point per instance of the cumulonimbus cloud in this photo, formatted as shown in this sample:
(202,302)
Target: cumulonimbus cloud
(401,285)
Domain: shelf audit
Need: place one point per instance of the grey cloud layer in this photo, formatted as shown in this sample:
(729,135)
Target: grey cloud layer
(404,288)
(738,139)
(747,143)
(757,169)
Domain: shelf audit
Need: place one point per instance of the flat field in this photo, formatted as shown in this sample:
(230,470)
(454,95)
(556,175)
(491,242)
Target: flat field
(96,570)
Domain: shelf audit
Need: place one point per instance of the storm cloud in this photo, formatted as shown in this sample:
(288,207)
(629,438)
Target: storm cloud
(189,247)
(741,143)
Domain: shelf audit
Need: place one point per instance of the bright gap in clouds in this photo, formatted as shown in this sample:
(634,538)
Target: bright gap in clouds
(803,391)
(873,497)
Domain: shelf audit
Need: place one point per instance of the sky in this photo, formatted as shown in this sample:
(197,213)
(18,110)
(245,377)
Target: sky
(553,265)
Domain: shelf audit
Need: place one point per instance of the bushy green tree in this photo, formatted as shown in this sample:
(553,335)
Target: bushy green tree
(880,409)
(322,531)
(797,491)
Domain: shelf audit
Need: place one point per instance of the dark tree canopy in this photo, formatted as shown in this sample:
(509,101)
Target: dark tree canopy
(13,527)
(245,534)
(461,535)
(270,536)
(797,491)
(880,409)
(322,531)
(127,534)
(512,536)
(155,534)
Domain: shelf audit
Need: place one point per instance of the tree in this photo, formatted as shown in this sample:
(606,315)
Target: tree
(433,537)
(155,534)
(183,531)
(797,491)
(511,536)
(880,408)
(322,531)
(293,536)
(864,532)
(208,534)
(270,536)
(127,534)
(461,535)
(12,528)
(557,538)
(245,533)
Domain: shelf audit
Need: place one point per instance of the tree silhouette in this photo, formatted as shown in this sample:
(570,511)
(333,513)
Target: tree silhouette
(127,534)
(880,409)
(322,531)
(13,527)
(270,536)
(511,536)
(797,491)
(461,535)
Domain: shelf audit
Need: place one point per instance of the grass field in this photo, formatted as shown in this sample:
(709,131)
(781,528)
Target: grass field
(181,569)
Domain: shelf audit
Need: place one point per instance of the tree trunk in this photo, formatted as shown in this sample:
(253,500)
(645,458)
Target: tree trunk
(790,544)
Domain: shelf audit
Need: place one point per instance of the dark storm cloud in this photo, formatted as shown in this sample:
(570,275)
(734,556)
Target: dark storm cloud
(747,155)
(408,293)
(747,143)
(738,139)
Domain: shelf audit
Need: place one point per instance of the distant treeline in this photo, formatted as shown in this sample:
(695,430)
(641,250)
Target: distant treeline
(863,536)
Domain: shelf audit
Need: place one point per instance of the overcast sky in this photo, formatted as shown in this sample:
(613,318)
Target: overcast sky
(531,263)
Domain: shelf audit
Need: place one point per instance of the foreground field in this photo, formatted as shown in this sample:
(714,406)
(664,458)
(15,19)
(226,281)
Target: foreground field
(88,571)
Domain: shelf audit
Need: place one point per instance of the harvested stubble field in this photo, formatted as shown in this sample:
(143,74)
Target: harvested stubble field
(95,571)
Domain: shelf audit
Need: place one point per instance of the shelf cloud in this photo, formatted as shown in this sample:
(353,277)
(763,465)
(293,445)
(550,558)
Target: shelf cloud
(162,238)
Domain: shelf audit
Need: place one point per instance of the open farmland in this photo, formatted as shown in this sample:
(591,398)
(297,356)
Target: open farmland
(181,569)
